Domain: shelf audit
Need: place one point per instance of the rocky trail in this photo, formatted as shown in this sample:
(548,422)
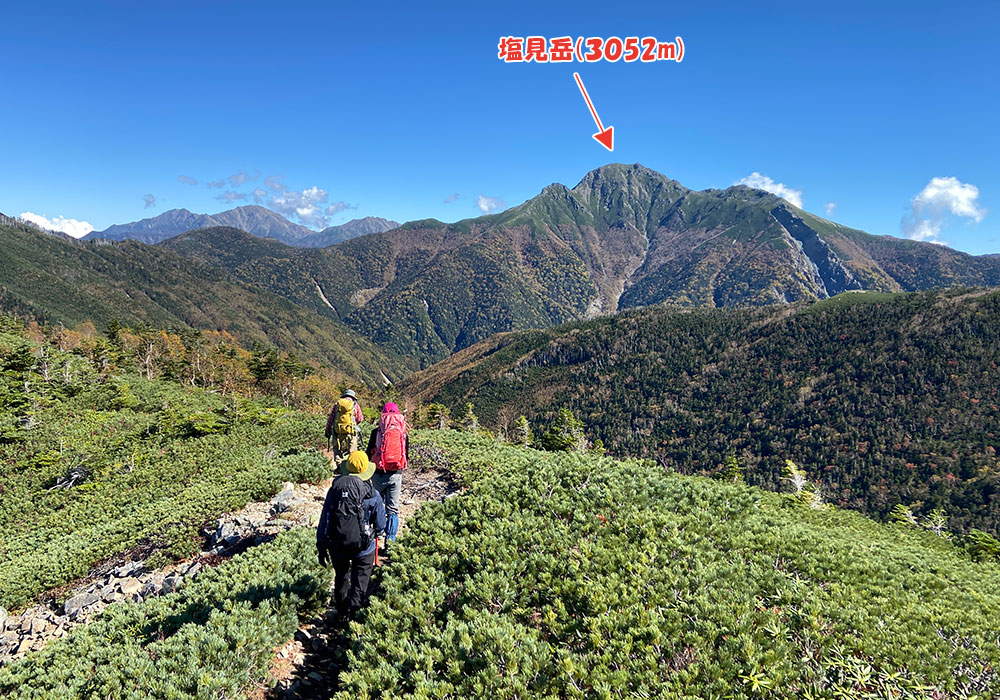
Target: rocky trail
(129,578)
(305,667)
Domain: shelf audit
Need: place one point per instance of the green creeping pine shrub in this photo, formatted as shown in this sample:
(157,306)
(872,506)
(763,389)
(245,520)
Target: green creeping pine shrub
(309,466)
(53,537)
(89,470)
(560,575)
(212,639)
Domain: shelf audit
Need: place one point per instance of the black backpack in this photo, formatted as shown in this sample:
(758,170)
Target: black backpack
(347,532)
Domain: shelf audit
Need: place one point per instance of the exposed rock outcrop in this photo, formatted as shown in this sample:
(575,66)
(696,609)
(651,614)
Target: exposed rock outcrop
(134,581)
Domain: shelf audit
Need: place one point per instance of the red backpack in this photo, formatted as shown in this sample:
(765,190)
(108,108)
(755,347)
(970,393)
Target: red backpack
(390,446)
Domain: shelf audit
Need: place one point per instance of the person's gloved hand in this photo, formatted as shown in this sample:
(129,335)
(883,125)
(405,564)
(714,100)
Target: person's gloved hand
(324,555)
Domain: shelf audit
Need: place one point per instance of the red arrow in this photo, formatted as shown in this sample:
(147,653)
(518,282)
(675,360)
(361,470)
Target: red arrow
(605,137)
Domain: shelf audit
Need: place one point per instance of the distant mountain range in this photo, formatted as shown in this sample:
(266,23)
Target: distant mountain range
(344,232)
(255,220)
(623,237)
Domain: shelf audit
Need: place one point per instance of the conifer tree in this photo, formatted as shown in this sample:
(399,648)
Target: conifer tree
(795,476)
(437,416)
(565,434)
(902,514)
(467,419)
(521,435)
(937,522)
(732,469)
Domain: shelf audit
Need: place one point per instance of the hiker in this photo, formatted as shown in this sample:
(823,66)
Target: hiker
(389,449)
(347,535)
(342,427)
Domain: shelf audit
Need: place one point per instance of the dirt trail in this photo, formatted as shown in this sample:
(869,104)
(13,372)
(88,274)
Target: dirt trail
(307,667)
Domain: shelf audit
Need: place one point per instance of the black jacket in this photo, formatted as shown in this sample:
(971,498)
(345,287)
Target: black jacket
(374,513)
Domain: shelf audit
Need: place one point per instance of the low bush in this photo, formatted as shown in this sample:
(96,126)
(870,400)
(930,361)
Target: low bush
(570,575)
(212,639)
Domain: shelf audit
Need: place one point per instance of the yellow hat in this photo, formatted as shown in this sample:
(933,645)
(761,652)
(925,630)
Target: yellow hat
(358,464)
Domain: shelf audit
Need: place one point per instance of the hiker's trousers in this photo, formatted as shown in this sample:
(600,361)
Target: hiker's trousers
(390,486)
(350,584)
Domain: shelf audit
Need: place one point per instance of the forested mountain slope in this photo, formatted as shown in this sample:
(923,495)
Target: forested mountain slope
(72,282)
(623,237)
(882,398)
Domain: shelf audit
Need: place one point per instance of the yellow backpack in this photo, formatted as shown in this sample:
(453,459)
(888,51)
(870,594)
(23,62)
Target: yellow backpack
(344,423)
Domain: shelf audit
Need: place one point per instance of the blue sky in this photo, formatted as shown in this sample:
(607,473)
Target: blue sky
(886,110)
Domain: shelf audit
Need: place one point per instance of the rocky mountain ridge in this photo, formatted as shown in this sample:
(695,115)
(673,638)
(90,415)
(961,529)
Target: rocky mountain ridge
(254,219)
(623,237)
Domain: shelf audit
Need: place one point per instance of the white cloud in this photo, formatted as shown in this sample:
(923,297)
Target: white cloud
(310,207)
(273,182)
(241,177)
(451,198)
(72,227)
(947,193)
(306,206)
(337,207)
(216,184)
(230,196)
(932,205)
(488,205)
(763,182)
(186,180)
(830,208)
(150,200)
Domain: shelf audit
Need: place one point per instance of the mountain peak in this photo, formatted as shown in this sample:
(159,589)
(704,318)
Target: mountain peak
(352,229)
(154,229)
(621,173)
(254,219)
(252,209)
(261,222)
(747,193)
